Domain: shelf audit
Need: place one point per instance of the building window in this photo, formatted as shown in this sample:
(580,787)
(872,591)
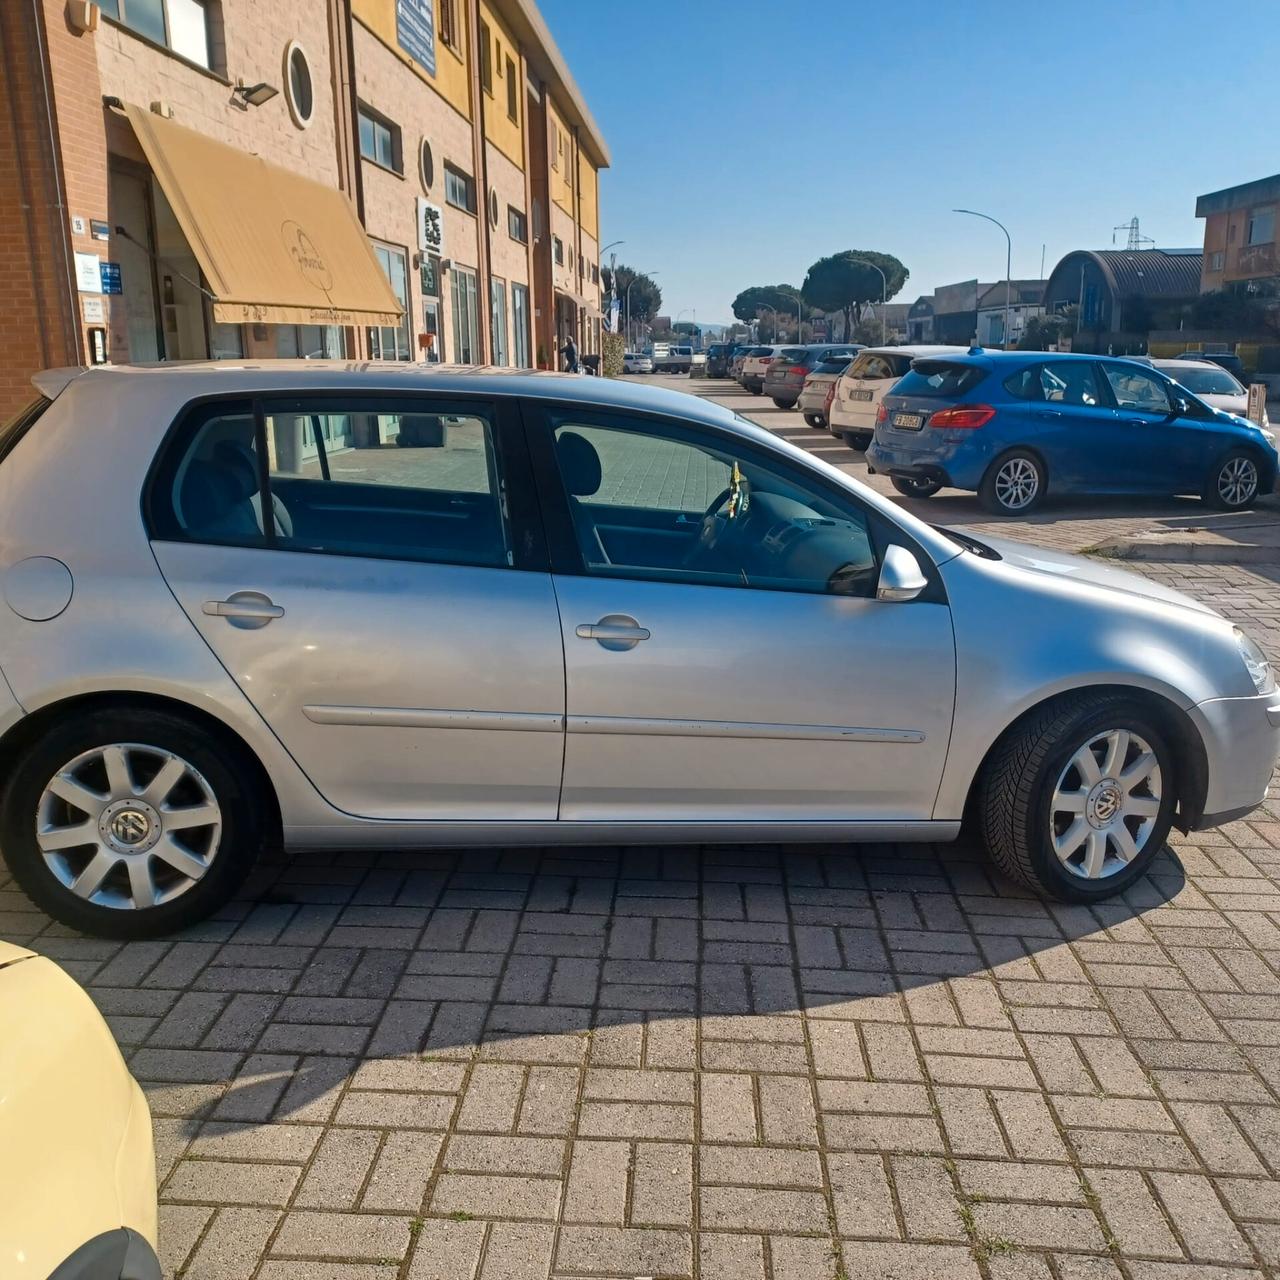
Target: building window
(435,338)
(520,324)
(486,59)
(449,23)
(1262,226)
(557,250)
(517,225)
(557,146)
(180,25)
(595,273)
(298,90)
(513,93)
(380,140)
(571,257)
(391,341)
(459,188)
(1217,260)
(466,333)
(493,208)
(426,166)
(498,320)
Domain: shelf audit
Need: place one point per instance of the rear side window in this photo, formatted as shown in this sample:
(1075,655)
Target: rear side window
(940,379)
(1058,382)
(876,366)
(834,364)
(760,351)
(389,481)
(797,355)
(14,428)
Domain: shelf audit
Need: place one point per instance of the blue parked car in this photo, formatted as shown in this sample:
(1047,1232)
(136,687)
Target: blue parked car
(1016,425)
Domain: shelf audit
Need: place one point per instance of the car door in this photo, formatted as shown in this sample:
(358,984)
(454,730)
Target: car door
(387,609)
(1148,449)
(725,657)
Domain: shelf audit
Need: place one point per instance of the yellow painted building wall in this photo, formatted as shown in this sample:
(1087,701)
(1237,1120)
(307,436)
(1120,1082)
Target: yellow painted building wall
(505,134)
(560,154)
(589,187)
(451,78)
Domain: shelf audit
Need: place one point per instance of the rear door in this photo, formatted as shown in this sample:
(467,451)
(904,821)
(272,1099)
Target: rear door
(1149,451)
(387,608)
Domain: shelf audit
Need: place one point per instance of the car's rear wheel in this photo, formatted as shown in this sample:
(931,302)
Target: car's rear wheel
(856,440)
(128,823)
(912,488)
(1014,485)
(815,420)
(782,404)
(1078,798)
(1234,483)
(756,391)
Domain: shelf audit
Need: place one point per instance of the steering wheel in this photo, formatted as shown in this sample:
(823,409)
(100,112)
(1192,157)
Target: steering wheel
(735,500)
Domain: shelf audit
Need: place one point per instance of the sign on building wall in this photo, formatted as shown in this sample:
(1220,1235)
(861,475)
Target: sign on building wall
(430,227)
(416,32)
(88,273)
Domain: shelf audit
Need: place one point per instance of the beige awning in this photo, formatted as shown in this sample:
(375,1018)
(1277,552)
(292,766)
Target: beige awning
(583,304)
(274,247)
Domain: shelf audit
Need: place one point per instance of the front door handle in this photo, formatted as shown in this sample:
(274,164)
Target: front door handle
(616,631)
(1048,413)
(244,609)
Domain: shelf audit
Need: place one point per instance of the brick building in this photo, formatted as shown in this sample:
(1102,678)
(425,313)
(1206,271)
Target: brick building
(385,179)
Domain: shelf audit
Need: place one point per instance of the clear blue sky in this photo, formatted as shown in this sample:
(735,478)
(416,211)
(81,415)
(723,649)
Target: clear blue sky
(750,138)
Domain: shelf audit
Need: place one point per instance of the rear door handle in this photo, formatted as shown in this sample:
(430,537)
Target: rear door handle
(615,631)
(1048,413)
(1135,422)
(244,609)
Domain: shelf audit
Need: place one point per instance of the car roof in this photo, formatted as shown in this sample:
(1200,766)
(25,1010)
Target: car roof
(1170,362)
(909,350)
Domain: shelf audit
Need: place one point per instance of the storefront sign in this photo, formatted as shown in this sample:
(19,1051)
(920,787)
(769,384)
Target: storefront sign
(416,32)
(77,225)
(430,276)
(94,311)
(430,227)
(99,230)
(111,281)
(88,273)
(1258,402)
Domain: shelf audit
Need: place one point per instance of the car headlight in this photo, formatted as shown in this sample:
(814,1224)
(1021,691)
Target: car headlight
(1268,436)
(1256,663)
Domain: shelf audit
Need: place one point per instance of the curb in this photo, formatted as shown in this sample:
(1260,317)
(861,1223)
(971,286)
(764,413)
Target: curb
(1159,550)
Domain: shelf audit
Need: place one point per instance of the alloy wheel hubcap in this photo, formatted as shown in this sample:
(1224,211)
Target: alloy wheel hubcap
(1105,804)
(128,826)
(1017,483)
(1238,481)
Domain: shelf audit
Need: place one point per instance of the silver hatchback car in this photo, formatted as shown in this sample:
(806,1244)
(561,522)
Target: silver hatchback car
(408,606)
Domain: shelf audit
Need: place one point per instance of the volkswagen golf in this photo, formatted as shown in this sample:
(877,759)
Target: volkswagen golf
(334,606)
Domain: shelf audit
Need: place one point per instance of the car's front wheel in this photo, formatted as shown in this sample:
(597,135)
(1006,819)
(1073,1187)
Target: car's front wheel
(1078,798)
(815,420)
(1014,485)
(912,488)
(1234,483)
(128,823)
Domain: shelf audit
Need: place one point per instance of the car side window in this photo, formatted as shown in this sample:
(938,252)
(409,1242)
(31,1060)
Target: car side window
(343,479)
(1057,382)
(671,503)
(1134,388)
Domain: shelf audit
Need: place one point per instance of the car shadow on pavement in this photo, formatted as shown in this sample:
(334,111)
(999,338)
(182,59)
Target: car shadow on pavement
(291,1003)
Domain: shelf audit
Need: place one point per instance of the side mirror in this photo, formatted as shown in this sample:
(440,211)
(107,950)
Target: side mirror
(1181,406)
(900,576)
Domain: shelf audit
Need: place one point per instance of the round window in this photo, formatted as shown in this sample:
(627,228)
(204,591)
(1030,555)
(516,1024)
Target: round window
(493,208)
(297,79)
(426,166)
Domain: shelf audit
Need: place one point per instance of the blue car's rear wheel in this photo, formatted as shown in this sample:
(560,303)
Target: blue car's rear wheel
(1014,485)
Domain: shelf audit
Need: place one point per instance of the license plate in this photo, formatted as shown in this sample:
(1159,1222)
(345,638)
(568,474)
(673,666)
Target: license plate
(859,395)
(908,421)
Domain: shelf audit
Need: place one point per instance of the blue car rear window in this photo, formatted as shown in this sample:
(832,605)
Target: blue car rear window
(940,379)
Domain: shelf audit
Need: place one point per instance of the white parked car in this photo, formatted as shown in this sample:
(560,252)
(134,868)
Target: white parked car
(864,384)
(636,362)
(756,365)
(1212,384)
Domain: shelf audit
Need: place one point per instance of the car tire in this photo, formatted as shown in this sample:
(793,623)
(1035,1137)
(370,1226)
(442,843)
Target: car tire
(1234,483)
(782,404)
(856,440)
(199,866)
(815,421)
(910,488)
(755,392)
(1014,485)
(1031,794)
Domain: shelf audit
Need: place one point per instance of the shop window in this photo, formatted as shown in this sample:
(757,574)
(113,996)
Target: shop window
(459,188)
(517,225)
(513,93)
(520,324)
(298,88)
(1262,226)
(557,250)
(180,25)
(498,320)
(391,341)
(380,140)
(486,59)
(466,319)
(449,24)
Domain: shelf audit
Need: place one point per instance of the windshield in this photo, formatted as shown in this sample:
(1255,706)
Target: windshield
(1207,382)
(939,378)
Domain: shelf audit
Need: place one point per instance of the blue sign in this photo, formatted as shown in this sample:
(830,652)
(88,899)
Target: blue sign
(111,282)
(416,31)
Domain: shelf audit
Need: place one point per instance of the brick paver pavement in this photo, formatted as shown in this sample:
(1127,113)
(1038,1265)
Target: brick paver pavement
(876,1063)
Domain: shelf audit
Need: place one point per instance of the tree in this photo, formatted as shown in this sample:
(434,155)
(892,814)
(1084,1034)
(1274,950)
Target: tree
(766,300)
(1235,312)
(645,299)
(1042,332)
(845,282)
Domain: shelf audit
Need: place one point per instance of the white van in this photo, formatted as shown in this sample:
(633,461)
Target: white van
(864,384)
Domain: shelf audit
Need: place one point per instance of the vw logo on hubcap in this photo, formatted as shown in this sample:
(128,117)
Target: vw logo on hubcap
(1104,802)
(129,826)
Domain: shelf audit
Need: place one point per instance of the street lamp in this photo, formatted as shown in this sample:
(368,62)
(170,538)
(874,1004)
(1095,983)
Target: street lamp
(1008,266)
(627,297)
(884,298)
(613,272)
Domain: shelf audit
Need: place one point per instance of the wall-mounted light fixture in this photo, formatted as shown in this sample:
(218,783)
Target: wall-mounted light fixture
(254,95)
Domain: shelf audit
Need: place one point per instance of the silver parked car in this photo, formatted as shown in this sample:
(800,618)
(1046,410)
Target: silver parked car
(337,605)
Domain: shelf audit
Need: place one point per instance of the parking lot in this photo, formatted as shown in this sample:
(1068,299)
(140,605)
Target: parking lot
(751,1063)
